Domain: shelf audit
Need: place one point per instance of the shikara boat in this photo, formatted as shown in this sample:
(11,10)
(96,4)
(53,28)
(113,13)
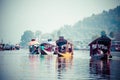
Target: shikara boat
(100,47)
(34,47)
(47,48)
(64,48)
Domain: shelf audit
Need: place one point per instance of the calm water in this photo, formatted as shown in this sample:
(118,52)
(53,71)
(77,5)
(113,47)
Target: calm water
(19,65)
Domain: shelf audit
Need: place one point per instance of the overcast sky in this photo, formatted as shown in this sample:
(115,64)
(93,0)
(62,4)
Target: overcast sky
(45,15)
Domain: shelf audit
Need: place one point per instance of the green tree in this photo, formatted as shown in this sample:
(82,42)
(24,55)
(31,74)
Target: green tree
(111,34)
(58,33)
(117,36)
(94,37)
(38,34)
(26,37)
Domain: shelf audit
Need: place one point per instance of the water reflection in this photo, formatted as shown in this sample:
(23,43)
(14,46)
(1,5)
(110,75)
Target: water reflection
(100,68)
(34,66)
(33,58)
(63,66)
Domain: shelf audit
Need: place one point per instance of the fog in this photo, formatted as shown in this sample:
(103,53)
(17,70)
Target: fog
(16,16)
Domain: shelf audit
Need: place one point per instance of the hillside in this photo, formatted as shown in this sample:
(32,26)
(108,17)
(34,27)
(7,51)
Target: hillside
(90,27)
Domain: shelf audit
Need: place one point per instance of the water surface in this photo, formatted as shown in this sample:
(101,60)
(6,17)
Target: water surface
(20,65)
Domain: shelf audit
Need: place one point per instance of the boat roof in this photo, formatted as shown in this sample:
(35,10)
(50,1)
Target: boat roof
(101,40)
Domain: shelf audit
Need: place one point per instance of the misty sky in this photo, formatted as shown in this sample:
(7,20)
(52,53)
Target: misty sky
(16,16)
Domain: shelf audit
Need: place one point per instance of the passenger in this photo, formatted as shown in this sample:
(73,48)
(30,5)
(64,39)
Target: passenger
(100,51)
(70,48)
(42,47)
(36,50)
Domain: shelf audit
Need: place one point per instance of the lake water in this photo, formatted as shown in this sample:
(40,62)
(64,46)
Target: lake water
(20,65)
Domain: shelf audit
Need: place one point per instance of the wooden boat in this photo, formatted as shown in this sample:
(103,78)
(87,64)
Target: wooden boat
(34,47)
(47,48)
(100,48)
(64,48)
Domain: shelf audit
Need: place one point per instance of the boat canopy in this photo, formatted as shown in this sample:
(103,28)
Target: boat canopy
(102,43)
(33,42)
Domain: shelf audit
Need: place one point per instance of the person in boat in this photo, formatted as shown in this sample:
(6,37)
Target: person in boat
(48,47)
(101,47)
(52,45)
(42,48)
(61,43)
(70,47)
(36,50)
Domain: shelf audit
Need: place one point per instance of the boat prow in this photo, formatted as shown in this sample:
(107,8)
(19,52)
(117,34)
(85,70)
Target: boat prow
(48,52)
(66,54)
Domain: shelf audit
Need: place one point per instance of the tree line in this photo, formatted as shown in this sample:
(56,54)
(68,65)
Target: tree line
(28,35)
(88,28)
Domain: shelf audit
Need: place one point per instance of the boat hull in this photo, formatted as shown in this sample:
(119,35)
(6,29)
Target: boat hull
(34,50)
(45,52)
(66,54)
